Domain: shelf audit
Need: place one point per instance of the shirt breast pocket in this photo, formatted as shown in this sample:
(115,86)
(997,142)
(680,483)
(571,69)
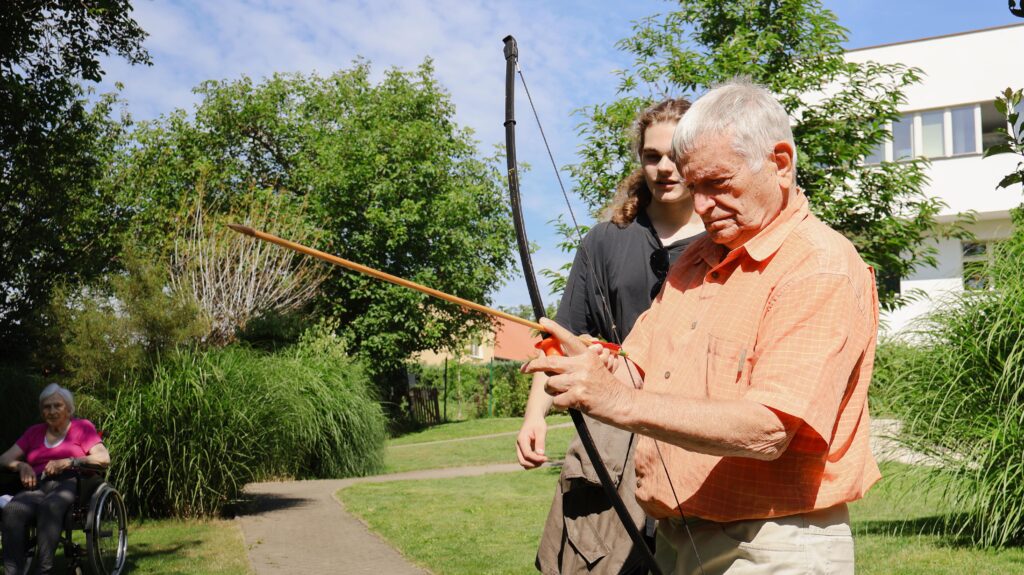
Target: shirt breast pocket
(728,369)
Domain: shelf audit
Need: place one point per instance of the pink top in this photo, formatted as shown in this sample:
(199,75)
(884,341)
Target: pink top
(81,437)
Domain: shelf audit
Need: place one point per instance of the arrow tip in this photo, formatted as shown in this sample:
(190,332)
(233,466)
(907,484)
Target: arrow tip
(243,229)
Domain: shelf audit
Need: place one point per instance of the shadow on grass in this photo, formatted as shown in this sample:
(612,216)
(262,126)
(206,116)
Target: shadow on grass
(152,554)
(950,530)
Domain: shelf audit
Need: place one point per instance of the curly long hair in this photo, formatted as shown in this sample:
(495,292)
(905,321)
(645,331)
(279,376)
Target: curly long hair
(632,195)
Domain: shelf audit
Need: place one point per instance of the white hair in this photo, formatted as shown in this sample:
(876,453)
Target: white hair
(747,111)
(56,389)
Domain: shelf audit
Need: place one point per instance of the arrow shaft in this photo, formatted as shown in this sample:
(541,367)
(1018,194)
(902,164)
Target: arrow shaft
(348,264)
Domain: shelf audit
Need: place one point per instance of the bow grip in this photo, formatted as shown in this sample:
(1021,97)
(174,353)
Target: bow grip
(550,346)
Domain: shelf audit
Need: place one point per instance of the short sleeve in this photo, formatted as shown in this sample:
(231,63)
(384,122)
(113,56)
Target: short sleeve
(88,436)
(25,442)
(573,311)
(807,349)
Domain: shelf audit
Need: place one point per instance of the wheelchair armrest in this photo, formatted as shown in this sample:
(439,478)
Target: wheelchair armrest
(92,469)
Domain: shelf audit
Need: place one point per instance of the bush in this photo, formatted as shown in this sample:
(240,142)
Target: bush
(20,406)
(893,360)
(478,390)
(111,330)
(186,439)
(962,399)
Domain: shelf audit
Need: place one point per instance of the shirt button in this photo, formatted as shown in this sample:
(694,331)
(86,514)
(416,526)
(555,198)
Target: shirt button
(667,374)
(693,325)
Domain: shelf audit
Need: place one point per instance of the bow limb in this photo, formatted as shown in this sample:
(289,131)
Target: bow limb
(551,347)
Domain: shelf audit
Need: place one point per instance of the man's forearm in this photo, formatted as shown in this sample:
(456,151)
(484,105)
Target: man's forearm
(728,428)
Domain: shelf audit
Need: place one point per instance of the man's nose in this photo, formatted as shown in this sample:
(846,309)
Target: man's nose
(702,203)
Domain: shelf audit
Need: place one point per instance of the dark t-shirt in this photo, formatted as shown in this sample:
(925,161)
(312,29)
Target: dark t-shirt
(623,276)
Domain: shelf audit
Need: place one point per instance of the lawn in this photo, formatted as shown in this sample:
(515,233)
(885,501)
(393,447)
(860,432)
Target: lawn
(468,443)
(491,524)
(471,428)
(173,547)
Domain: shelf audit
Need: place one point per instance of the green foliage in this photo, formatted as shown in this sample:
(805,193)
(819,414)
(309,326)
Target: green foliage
(478,389)
(118,326)
(185,440)
(58,220)
(840,111)
(893,359)
(1008,104)
(20,406)
(385,172)
(962,398)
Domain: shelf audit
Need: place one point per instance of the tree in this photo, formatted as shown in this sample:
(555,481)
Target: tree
(387,177)
(840,111)
(56,221)
(1009,105)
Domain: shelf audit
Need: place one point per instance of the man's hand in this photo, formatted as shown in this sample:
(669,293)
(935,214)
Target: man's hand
(530,443)
(583,379)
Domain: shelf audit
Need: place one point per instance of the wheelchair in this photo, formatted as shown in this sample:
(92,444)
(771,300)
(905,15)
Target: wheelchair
(99,511)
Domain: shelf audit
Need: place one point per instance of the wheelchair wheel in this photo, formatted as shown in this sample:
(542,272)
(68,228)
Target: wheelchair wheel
(106,532)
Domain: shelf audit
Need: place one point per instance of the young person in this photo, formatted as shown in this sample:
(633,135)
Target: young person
(615,275)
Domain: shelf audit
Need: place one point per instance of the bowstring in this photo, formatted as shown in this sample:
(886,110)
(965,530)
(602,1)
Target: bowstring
(606,305)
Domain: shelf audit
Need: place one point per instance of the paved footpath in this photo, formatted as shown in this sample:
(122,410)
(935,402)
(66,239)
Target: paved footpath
(298,527)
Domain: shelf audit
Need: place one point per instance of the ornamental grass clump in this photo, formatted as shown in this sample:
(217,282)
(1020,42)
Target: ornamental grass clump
(962,399)
(187,438)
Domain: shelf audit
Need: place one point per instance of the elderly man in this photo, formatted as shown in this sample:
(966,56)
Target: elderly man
(757,356)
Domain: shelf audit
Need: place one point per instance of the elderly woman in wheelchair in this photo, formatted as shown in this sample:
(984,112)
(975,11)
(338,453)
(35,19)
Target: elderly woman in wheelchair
(49,459)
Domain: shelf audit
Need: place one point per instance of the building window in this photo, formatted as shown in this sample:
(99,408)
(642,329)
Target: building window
(903,138)
(877,154)
(963,130)
(976,258)
(932,140)
(991,120)
(476,350)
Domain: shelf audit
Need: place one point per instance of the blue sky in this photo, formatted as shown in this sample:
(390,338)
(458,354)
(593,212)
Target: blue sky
(566,51)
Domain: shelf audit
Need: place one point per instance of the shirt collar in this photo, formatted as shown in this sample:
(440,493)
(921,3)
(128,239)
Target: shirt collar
(769,240)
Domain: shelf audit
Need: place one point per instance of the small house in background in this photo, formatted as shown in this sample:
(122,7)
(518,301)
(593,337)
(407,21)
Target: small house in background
(507,341)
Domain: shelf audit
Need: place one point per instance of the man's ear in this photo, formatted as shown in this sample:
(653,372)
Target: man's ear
(784,156)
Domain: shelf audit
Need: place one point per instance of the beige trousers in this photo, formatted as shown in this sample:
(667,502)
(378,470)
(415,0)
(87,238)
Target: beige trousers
(818,543)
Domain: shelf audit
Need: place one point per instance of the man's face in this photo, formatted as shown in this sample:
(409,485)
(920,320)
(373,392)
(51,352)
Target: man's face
(735,202)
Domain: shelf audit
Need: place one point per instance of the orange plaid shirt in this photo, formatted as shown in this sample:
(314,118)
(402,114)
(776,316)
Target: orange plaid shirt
(788,320)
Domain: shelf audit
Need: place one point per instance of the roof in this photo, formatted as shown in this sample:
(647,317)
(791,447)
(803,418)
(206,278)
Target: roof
(513,341)
(925,39)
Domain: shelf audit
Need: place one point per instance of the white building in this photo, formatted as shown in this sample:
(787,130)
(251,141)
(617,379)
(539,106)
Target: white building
(949,118)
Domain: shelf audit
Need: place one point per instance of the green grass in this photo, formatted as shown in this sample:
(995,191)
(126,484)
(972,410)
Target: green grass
(491,524)
(187,547)
(410,457)
(172,547)
(470,428)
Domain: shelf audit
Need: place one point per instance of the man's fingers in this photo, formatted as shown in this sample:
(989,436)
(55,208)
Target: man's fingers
(571,344)
(544,364)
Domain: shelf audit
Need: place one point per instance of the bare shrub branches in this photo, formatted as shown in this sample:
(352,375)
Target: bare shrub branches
(235,279)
